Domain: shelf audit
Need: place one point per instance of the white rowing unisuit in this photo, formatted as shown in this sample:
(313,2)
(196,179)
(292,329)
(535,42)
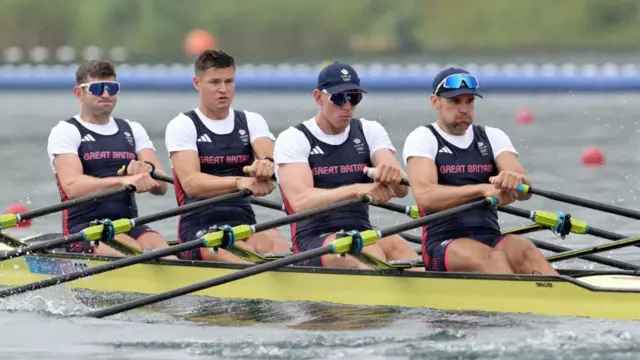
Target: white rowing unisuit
(422,142)
(64,138)
(181,133)
(293,147)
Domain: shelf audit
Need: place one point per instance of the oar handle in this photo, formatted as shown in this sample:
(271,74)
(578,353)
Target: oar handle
(247,170)
(371,173)
(155,175)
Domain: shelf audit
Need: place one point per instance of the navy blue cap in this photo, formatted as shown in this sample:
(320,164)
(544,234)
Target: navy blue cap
(338,77)
(450,93)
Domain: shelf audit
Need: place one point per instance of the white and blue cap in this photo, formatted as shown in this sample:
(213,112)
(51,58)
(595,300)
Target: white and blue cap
(339,77)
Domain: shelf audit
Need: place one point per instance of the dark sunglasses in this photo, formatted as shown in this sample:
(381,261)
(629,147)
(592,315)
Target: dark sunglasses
(97,88)
(341,98)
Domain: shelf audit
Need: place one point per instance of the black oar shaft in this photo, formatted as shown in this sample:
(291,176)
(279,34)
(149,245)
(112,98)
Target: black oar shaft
(193,244)
(141,220)
(571,254)
(40,247)
(74,202)
(595,205)
(593,258)
(253,270)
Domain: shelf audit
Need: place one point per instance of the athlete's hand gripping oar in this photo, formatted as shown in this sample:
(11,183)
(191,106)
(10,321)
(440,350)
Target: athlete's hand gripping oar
(278,206)
(580,202)
(353,243)
(594,249)
(107,229)
(11,220)
(224,238)
(154,174)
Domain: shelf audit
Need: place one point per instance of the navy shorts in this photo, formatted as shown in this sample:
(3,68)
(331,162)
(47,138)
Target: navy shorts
(310,243)
(84,247)
(435,254)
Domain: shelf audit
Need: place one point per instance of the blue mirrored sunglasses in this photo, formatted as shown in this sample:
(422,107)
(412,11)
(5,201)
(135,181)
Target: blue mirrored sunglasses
(456,81)
(97,88)
(341,98)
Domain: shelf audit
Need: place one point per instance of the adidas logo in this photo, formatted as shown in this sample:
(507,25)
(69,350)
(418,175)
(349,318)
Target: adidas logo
(316,151)
(87,137)
(445,150)
(204,138)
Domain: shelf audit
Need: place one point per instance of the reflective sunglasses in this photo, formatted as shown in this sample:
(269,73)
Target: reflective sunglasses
(455,81)
(341,98)
(97,88)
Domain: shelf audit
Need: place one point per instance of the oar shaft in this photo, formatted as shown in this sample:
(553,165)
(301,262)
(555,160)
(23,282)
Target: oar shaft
(162,177)
(595,205)
(436,216)
(74,202)
(40,247)
(267,203)
(253,270)
(128,261)
(593,258)
(141,220)
(594,249)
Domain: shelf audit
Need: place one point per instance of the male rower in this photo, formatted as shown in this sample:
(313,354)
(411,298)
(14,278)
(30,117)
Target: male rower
(451,162)
(87,153)
(209,147)
(322,161)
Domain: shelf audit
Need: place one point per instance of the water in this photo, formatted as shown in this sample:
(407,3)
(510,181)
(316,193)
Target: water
(48,324)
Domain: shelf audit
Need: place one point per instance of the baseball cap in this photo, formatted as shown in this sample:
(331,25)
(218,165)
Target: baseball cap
(338,77)
(464,84)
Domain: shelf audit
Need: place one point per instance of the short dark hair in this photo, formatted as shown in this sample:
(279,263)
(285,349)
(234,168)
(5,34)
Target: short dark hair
(99,69)
(213,59)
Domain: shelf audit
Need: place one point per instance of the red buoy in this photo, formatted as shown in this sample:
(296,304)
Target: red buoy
(19,209)
(592,156)
(524,117)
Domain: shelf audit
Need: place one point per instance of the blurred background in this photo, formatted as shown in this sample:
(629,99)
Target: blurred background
(560,77)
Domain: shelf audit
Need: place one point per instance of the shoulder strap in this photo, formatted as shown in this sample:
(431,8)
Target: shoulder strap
(73,121)
(194,117)
(306,132)
(241,118)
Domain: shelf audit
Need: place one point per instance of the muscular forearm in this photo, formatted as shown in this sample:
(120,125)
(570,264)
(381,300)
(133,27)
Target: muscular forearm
(207,186)
(442,197)
(400,190)
(86,185)
(315,197)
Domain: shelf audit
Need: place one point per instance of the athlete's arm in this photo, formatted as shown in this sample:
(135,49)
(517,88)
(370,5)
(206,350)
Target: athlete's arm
(419,151)
(260,136)
(180,140)
(296,178)
(382,151)
(508,161)
(506,156)
(75,184)
(149,155)
(386,156)
(146,152)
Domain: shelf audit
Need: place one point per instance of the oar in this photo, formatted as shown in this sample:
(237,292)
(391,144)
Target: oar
(580,202)
(11,220)
(353,243)
(561,223)
(593,258)
(594,249)
(108,229)
(224,238)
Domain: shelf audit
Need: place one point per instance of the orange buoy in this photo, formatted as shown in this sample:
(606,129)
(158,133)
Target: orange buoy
(197,41)
(19,209)
(592,156)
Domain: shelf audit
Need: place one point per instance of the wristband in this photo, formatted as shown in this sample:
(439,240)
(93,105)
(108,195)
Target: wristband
(270,159)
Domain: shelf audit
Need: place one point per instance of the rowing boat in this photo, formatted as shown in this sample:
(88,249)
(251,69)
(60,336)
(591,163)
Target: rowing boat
(582,293)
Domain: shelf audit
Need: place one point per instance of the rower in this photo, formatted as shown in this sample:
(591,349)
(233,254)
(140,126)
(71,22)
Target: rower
(208,147)
(87,153)
(322,161)
(451,162)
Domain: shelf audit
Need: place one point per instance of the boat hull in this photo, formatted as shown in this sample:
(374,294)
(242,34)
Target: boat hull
(613,295)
